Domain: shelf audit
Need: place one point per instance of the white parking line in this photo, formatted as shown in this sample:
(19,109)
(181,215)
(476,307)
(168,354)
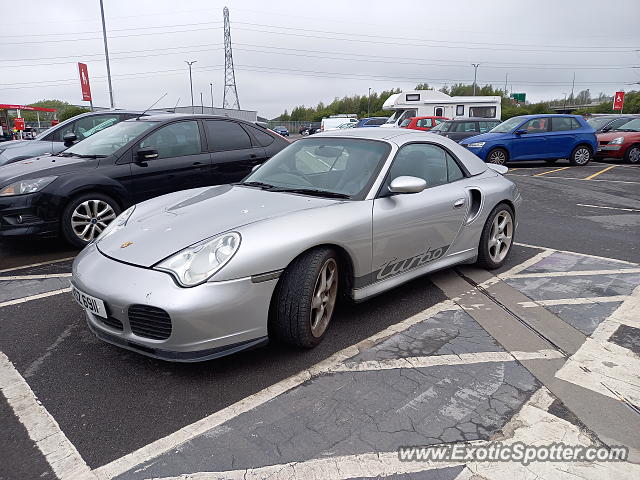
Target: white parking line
(49,262)
(35,277)
(574,301)
(577,273)
(34,297)
(59,452)
(608,208)
(438,360)
(538,247)
(162,445)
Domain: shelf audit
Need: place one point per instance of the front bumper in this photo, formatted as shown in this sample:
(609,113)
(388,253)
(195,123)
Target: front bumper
(207,321)
(611,151)
(479,152)
(25,215)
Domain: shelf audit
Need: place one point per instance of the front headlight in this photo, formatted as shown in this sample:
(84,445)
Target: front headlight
(26,186)
(476,144)
(119,222)
(617,141)
(196,264)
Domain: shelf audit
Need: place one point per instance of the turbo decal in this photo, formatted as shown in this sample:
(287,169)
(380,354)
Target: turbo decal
(395,266)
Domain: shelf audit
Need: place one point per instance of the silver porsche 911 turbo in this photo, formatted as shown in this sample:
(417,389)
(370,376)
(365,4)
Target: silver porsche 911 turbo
(202,273)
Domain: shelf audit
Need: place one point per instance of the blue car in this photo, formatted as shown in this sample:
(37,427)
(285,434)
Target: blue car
(281,131)
(536,137)
(371,122)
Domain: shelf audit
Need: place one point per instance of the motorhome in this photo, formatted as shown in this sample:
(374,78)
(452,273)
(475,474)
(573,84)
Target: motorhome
(334,121)
(419,103)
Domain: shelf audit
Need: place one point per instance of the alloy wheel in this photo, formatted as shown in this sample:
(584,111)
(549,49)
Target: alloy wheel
(501,236)
(634,155)
(581,156)
(498,157)
(324,297)
(90,218)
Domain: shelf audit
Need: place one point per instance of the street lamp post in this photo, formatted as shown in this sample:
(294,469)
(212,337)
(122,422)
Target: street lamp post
(475,75)
(211,86)
(564,107)
(191,83)
(369,104)
(106,56)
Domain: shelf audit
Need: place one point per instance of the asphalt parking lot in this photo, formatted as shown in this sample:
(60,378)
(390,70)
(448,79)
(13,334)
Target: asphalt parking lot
(545,349)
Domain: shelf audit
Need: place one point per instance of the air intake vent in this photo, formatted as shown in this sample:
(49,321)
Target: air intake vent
(112,322)
(149,322)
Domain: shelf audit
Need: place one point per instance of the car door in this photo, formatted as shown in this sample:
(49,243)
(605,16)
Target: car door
(412,230)
(182,161)
(232,151)
(533,144)
(562,136)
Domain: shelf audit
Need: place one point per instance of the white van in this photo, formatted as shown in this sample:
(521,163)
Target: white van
(334,121)
(432,103)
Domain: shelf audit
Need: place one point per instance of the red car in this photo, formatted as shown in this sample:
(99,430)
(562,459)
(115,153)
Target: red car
(422,123)
(623,142)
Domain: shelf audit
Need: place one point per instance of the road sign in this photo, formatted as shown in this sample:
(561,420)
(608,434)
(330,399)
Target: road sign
(519,97)
(18,123)
(618,101)
(84,81)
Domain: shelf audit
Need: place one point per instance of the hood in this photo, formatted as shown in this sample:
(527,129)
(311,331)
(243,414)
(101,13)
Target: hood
(165,225)
(607,137)
(485,137)
(14,144)
(43,166)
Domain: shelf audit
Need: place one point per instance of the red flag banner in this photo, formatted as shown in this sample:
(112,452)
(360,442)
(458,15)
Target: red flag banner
(618,101)
(84,81)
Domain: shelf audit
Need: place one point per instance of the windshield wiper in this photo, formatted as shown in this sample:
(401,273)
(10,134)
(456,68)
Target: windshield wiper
(264,186)
(311,191)
(89,156)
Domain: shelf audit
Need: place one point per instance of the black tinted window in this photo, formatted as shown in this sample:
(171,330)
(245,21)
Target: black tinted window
(175,140)
(559,124)
(377,121)
(226,135)
(262,137)
(465,127)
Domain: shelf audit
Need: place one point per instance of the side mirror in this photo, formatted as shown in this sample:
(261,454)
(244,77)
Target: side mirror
(606,129)
(406,184)
(255,167)
(69,139)
(145,154)
(520,132)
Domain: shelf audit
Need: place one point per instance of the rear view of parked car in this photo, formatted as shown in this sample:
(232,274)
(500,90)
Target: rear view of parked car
(79,192)
(62,136)
(280,130)
(422,123)
(536,137)
(459,129)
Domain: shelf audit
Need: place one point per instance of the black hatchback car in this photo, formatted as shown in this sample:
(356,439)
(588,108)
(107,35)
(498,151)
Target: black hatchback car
(79,191)
(460,128)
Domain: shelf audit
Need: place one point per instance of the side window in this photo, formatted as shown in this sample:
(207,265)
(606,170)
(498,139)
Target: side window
(484,112)
(559,124)
(262,137)
(537,125)
(486,126)
(377,121)
(575,124)
(460,110)
(466,127)
(87,126)
(226,135)
(438,112)
(174,140)
(425,122)
(61,132)
(429,162)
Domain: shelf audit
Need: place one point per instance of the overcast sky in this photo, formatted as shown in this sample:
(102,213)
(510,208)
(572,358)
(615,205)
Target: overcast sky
(289,53)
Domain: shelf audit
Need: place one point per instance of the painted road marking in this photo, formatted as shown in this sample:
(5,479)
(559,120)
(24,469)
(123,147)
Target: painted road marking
(608,208)
(550,171)
(34,297)
(574,178)
(439,360)
(162,445)
(574,301)
(600,172)
(577,273)
(42,428)
(538,247)
(35,277)
(36,264)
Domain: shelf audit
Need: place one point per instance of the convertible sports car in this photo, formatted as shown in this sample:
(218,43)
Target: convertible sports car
(201,273)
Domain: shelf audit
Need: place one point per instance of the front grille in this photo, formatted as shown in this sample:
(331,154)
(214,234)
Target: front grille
(604,142)
(112,322)
(149,322)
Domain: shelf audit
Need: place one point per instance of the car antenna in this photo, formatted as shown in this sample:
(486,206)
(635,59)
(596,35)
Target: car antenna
(176,105)
(149,107)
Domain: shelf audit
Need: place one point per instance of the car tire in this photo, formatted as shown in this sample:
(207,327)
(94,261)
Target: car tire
(302,308)
(498,156)
(100,210)
(633,154)
(580,156)
(492,255)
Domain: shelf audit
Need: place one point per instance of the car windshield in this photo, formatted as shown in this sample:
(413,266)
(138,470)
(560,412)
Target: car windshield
(441,127)
(507,126)
(396,115)
(405,122)
(597,122)
(323,166)
(107,141)
(632,126)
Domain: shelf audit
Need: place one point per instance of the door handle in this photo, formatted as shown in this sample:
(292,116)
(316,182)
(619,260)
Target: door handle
(197,164)
(252,156)
(458,203)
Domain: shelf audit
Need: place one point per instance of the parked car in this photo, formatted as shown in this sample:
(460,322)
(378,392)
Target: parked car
(281,131)
(536,137)
(605,123)
(422,123)
(78,192)
(62,136)
(310,129)
(332,123)
(347,125)
(352,213)
(622,142)
(460,128)
(371,122)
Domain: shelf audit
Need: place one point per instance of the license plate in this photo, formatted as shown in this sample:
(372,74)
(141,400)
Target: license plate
(89,303)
